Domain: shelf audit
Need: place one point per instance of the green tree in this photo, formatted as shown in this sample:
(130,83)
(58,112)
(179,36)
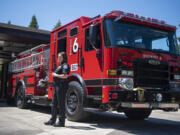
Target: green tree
(9,22)
(34,23)
(58,24)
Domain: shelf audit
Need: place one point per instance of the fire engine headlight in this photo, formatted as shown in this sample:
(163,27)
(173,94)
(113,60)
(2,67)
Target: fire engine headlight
(126,83)
(127,73)
(176,77)
(159,97)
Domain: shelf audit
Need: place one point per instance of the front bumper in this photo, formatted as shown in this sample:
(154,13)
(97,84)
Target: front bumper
(174,106)
(148,96)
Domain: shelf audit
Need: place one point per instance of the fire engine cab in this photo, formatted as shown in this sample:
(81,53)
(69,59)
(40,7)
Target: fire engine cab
(120,62)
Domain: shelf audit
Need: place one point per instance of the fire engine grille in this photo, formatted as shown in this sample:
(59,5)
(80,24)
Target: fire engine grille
(150,75)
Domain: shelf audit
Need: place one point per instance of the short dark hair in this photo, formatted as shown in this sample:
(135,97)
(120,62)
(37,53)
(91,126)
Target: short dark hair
(63,54)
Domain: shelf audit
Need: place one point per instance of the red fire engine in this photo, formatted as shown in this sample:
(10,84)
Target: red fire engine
(120,61)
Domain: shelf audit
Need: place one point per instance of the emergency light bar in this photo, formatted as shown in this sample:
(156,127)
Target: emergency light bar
(135,17)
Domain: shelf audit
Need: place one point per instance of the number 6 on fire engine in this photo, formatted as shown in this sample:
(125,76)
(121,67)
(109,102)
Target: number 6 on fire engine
(75,46)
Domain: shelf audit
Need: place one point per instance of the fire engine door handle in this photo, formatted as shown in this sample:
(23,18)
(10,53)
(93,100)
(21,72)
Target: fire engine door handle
(82,62)
(78,57)
(53,63)
(98,54)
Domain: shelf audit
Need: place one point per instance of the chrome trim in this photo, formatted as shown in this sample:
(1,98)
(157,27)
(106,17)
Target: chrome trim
(151,106)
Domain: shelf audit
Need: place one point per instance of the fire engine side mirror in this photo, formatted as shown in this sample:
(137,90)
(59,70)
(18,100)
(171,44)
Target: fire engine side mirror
(92,34)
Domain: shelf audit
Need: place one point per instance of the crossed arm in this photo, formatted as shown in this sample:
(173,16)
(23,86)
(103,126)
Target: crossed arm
(61,76)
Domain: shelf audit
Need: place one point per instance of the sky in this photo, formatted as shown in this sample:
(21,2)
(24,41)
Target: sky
(48,12)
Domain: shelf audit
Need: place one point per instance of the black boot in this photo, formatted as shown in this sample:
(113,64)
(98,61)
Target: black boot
(60,123)
(50,122)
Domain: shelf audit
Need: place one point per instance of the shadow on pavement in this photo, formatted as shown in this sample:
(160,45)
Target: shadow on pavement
(149,126)
(4,104)
(40,109)
(119,123)
(36,108)
(81,127)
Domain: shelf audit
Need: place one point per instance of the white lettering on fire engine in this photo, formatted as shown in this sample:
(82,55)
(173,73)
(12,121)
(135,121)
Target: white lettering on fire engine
(75,46)
(150,56)
(74,67)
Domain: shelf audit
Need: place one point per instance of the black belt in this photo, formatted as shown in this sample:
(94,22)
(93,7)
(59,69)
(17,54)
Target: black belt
(60,80)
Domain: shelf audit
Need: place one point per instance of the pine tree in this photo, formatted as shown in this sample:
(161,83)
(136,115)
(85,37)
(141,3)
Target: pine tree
(179,41)
(33,23)
(9,22)
(58,24)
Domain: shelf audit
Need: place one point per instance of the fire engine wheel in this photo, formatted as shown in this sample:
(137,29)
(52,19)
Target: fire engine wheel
(21,101)
(74,102)
(138,114)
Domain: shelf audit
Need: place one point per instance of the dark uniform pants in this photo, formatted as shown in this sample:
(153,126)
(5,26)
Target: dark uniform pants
(58,101)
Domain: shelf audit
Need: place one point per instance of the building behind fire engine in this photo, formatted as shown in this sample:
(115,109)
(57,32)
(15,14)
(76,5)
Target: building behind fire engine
(13,40)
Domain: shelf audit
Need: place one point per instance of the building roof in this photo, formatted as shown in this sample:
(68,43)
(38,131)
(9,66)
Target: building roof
(15,39)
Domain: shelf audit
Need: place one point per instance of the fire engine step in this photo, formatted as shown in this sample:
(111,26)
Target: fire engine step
(41,100)
(94,97)
(93,110)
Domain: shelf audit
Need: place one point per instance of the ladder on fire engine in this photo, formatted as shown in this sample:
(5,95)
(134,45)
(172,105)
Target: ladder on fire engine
(33,61)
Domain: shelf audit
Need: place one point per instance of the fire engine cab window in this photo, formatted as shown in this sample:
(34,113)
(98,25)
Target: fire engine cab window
(89,46)
(62,33)
(73,32)
(61,45)
(120,34)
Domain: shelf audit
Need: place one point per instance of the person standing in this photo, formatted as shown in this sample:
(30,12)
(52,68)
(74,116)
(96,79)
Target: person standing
(60,87)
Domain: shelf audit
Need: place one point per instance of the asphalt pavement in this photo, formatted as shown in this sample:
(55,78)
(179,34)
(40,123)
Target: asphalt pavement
(14,121)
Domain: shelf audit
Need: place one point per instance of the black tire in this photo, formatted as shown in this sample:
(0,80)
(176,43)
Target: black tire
(138,114)
(74,102)
(21,100)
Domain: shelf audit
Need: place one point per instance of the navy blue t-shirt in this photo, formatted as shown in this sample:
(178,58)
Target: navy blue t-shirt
(61,69)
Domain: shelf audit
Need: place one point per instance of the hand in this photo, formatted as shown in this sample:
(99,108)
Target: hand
(53,74)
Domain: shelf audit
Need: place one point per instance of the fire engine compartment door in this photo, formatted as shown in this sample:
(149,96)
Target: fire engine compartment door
(92,70)
(74,49)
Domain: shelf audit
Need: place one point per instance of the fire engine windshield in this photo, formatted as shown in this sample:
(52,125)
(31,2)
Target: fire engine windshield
(120,34)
